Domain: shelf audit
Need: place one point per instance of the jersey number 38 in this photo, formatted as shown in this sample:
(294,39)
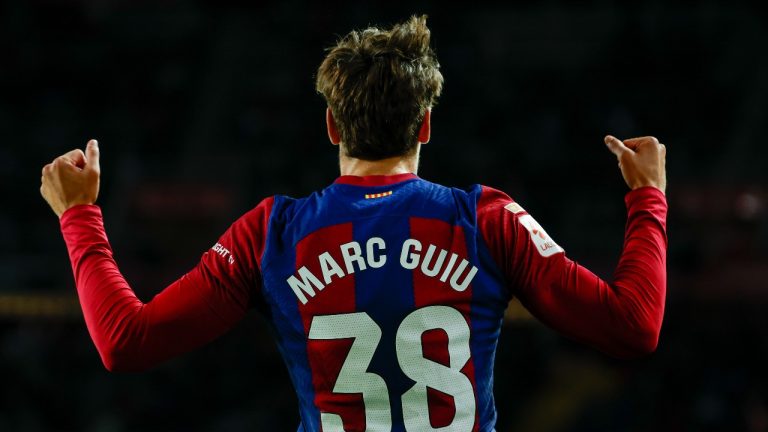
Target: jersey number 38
(355,378)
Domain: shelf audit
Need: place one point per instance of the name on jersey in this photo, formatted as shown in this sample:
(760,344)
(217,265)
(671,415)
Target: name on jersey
(430,260)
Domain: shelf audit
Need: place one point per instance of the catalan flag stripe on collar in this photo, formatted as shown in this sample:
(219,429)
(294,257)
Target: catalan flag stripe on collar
(378,195)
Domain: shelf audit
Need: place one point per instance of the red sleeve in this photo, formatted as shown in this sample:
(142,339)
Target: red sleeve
(622,318)
(197,308)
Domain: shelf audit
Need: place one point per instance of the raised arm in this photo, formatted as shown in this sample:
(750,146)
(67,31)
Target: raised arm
(622,318)
(198,307)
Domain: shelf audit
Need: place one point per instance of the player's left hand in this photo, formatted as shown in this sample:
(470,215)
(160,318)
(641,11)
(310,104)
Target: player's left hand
(72,179)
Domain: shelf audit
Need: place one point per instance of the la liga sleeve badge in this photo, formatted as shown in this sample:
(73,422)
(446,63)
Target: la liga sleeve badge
(544,243)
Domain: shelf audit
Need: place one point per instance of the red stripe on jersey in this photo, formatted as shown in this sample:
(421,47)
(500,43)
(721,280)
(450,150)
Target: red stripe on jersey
(326,357)
(433,291)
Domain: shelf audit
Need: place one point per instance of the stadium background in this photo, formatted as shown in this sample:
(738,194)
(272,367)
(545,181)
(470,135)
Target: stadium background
(203,109)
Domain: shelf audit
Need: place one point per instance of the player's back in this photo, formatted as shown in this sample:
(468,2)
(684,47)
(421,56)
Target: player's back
(386,305)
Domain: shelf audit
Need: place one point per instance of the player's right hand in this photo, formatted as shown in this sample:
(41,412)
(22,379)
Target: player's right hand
(72,179)
(642,161)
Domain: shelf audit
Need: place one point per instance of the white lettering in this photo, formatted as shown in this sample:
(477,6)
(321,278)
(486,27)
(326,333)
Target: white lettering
(329,267)
(455,278)
(352,253)
(410,261)
(438,262)
(451,267)
(223,252)
(369,254)
(302,286)
(448,268)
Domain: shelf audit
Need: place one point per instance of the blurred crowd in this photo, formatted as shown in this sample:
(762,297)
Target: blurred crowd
(203,108)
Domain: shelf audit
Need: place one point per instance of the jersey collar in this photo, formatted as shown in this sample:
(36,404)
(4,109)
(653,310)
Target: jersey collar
(375,180)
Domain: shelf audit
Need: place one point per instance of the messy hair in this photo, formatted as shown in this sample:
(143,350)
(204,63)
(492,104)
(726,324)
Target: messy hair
(378,84)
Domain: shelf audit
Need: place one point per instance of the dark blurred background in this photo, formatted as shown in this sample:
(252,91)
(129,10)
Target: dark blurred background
(203,109)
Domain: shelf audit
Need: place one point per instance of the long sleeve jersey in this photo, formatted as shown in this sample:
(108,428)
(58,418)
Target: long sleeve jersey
(385,295)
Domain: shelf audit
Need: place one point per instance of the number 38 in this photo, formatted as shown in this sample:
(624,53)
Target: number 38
(354,377)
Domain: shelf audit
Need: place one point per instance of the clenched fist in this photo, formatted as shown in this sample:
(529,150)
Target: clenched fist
(72,179)
(642,161)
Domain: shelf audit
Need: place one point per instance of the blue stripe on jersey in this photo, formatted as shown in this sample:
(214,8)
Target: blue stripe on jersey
(280,258)
(488,306)
(386,294)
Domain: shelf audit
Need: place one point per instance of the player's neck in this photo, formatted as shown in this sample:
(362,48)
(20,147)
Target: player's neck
(391,166)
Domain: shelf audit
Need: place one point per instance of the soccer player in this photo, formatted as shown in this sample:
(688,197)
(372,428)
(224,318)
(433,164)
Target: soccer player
(385,292)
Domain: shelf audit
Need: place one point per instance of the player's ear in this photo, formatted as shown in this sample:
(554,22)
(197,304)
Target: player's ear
(333,132)
(426,128)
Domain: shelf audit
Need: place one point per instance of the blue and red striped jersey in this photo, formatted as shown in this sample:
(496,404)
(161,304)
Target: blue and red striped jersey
(386,305)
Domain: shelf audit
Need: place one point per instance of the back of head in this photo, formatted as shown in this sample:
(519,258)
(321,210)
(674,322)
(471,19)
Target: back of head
(379,83)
